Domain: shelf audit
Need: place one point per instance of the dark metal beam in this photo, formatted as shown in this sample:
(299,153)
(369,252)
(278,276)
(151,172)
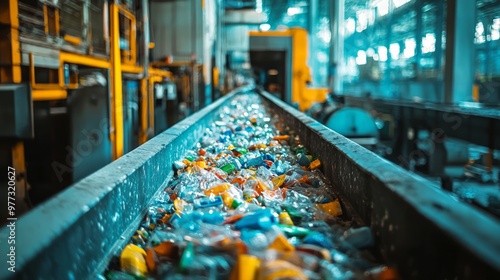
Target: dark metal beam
(459,65)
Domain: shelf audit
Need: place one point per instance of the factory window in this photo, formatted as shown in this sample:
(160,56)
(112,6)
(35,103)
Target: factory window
(311,15)
(397,47)
(487,43)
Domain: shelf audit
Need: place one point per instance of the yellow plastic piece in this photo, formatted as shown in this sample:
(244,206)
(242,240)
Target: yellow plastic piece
(227,199)
(278,181)
(246,268)
(230,147)
(217,190)
(333,208)
(280,269)
(261,146)
(281,244)
(261,187)
(179,205)
(133,260)
(315,164)
(201,164)
(285,219)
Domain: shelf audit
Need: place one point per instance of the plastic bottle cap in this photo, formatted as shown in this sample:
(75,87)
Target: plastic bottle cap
(281,244)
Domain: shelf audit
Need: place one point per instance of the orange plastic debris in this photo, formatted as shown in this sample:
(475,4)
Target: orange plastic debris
(315,164)
(281,244)
(281,137)
(151,259)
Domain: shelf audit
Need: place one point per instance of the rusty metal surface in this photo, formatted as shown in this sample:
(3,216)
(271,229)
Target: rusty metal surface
(426,233)
(422,230)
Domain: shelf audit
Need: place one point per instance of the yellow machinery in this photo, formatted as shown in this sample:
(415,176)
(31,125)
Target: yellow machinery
(47,49)
(279,60)
(188,76)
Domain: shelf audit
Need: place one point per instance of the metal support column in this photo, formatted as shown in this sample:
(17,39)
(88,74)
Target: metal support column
(313,44)
(418,35)
(9,17)
(459,66)
(337,44)
(144,109)
(144,133)
(116,97)
(487,45)
(86,24)
(385,81)
(438,54)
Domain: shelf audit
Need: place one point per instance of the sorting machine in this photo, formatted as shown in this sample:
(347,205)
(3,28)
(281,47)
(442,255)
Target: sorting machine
(423,231)
(355,123)
(279,60)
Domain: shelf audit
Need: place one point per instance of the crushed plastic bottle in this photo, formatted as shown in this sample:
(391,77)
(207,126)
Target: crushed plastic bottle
(248,202)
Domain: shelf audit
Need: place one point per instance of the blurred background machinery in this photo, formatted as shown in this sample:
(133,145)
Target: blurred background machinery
(81,84)
(279,61)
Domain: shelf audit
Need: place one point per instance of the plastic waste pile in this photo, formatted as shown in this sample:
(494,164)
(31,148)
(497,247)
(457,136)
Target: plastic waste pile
(248,202)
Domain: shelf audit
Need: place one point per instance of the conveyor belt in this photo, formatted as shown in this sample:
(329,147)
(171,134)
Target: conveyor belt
(424,232)
(247,191)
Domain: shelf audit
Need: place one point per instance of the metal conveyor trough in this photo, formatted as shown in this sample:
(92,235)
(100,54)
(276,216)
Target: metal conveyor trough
(422,230)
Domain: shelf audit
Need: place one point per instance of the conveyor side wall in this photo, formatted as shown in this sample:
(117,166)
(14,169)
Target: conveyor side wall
(423,230)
